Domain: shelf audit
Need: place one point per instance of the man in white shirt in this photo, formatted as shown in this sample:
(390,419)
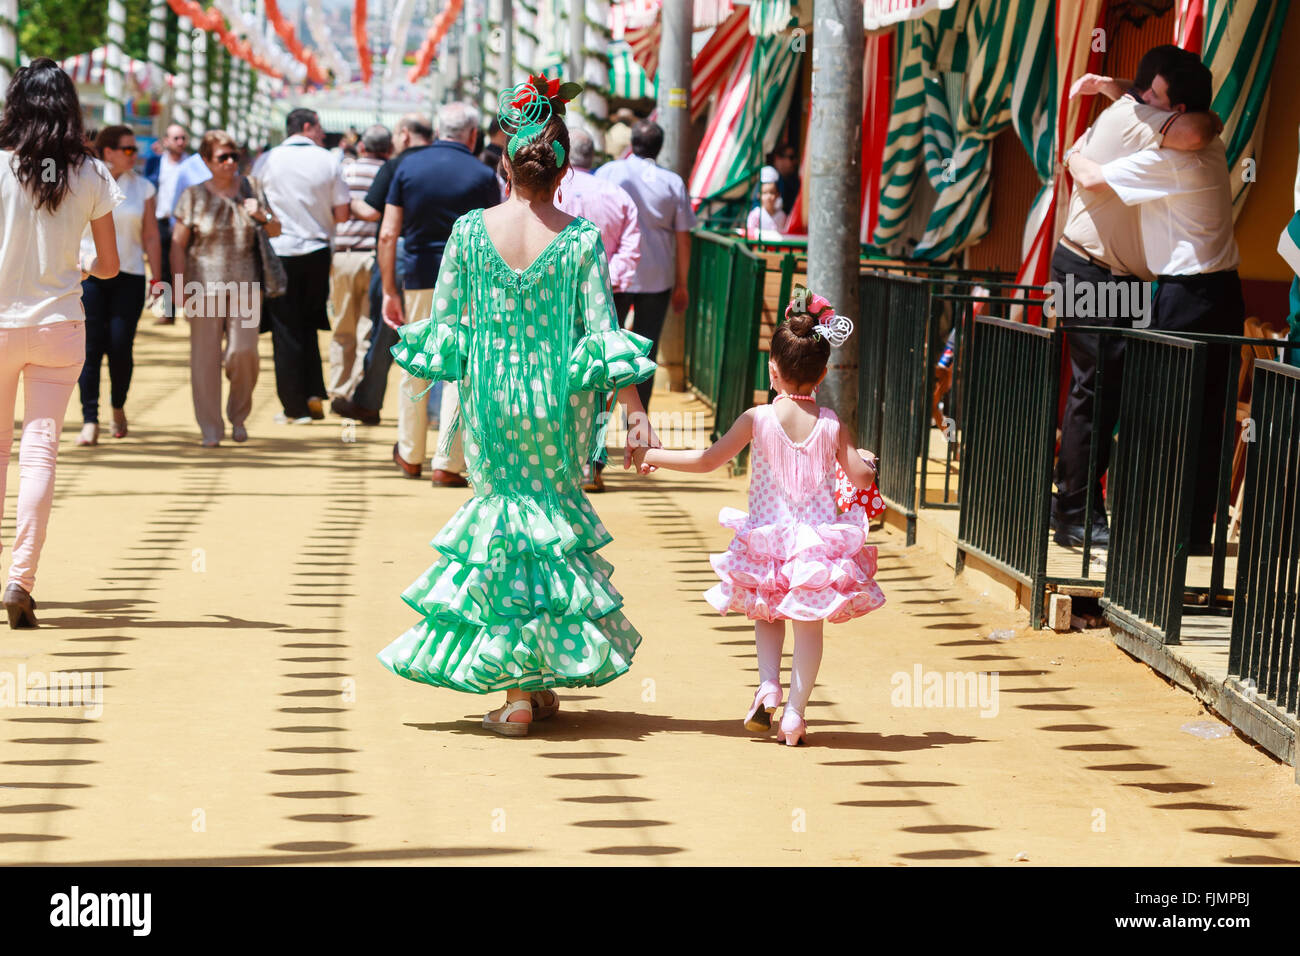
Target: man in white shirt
(162,170)
(1185,206)
(308,194)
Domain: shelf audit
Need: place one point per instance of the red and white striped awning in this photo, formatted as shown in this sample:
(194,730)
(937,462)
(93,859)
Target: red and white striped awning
(711,66)
(89,68)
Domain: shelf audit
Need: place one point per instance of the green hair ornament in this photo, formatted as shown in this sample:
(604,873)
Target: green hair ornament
(528,107)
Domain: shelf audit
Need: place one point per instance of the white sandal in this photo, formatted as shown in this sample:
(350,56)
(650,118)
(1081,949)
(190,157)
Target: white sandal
(507,727)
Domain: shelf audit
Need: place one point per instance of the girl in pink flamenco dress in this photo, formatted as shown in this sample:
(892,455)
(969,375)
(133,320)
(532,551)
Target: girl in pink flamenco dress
(795,557)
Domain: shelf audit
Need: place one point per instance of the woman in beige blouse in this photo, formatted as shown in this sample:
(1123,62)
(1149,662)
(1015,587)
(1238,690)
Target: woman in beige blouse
(214,257)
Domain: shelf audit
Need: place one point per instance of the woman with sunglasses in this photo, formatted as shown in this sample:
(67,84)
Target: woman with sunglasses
(214,247)
(113,306)
(51,187)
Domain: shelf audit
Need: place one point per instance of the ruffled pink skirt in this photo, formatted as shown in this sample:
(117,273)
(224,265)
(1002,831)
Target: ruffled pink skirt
(803,572)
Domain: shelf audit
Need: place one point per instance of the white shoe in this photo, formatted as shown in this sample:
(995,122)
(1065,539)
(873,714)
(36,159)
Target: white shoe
(282,419)
(507,727)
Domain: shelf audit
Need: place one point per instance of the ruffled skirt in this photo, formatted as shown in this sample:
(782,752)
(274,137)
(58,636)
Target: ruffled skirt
(518,599)
(802,572)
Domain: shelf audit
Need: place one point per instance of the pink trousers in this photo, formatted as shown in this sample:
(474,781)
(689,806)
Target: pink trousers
(49,360)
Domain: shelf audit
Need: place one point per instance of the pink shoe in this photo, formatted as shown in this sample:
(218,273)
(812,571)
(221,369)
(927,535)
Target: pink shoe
(766,700)
(794,729)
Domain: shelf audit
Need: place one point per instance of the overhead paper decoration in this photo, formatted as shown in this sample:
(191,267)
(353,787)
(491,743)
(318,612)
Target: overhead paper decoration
(362,40)
(441,24)
(285,31)
(320,35)
(399,29)
(251,49)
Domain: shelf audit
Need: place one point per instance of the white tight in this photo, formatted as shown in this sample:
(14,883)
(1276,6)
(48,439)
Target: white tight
(769,640)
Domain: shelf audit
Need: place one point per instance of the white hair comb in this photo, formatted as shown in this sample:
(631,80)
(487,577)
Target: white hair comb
(835,330)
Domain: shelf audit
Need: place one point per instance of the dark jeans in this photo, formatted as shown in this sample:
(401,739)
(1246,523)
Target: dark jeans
(370,390)
(651,309)
(165,237)
(113,308)
(648,320)
(296,317)
(1210,303)
(1083,412)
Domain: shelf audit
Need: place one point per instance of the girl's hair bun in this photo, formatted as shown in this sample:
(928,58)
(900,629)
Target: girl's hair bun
(802,325)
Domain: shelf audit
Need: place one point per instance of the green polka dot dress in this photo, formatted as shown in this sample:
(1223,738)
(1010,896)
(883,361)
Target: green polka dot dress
(518,596)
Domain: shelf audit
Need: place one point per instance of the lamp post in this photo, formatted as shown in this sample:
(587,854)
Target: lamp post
(834,185)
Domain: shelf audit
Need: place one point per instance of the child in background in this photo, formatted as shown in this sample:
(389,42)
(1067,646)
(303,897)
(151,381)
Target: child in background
(794,556)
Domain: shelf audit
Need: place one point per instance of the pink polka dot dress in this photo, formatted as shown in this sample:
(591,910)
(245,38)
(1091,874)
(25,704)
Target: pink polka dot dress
(795,557)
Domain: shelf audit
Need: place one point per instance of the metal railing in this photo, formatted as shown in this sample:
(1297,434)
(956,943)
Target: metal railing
(1013,375)
(1150,482)
(893,411)
(726,285)
(1266,611)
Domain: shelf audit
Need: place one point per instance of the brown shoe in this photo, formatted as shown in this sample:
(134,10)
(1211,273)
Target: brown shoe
(165,320)
(595,483)
(409,470)
(19,605)
(447,479)
(346,408)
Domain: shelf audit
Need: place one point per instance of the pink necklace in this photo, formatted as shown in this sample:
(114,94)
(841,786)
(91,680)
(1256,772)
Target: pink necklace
(801,398)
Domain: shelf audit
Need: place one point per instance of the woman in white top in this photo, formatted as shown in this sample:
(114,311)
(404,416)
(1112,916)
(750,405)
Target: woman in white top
(50,188)
(113,306)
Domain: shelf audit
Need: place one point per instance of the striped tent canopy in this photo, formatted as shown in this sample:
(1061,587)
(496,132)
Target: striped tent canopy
(89,68)
(627,78)
(1240,47)
(964,74)
(710,68)
(750,114)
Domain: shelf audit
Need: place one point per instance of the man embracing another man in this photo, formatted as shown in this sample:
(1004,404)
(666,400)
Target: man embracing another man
(1153,197)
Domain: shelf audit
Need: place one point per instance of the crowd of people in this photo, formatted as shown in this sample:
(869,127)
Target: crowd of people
(295,241)
(505,266)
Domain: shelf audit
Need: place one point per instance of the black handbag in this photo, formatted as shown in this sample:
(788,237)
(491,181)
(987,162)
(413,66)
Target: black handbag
(271,273)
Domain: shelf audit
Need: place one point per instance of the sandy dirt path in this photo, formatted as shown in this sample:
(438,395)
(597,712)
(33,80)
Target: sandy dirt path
(232,601)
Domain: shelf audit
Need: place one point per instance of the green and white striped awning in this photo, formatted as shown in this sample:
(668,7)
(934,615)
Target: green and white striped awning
(626,78)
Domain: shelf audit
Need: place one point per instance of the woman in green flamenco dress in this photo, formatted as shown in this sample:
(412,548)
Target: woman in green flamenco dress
(523,319)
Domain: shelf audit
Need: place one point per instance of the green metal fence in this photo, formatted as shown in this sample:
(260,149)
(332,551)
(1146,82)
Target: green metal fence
(1266,609)
(1013,375)
(1150,482)
(726,290)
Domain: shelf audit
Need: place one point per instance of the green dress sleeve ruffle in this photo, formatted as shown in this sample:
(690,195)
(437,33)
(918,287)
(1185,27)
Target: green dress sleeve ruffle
(430,349)
(608,360)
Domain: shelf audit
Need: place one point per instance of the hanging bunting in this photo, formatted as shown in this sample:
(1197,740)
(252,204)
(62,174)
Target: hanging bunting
(441,24)
(362,40)
(285,31)
(320,35)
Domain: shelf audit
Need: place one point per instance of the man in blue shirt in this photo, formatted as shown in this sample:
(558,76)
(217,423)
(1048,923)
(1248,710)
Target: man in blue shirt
(665,217)
(431,189)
